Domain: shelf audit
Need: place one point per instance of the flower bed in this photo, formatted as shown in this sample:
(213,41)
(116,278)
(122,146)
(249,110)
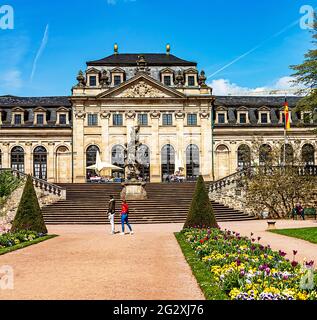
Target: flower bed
(245,270)
(9,239)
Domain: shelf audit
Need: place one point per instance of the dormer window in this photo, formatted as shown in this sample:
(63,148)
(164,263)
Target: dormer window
(17,119)
(17,116)
(116,80)
(92,81)
(282,116)
(191,81)
(40,119)
(243,115)
(221,116)
(167,80)
(264,116)
(191,77)
(117,76)
(62,116)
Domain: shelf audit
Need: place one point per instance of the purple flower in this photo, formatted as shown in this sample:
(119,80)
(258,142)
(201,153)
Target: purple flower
(238,262)
(310,263)
(294,252)
(252,239)
(294,264)
(259,238)
(281,253)
(285,277)
(268,270)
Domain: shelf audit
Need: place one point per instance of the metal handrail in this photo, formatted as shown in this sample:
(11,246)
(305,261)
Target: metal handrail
(39,183)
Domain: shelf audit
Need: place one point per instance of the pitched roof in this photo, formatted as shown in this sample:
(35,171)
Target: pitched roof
(152,59)
(13,101)
(255,101)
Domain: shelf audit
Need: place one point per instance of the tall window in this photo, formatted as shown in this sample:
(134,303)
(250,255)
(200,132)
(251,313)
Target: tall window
(167,80)
(91,157)
(192,162)
(308,154)
(0,159)
(92,119)
(143,119)
(244,156)
(17,119)
(17,159)
(40,163)
(191,81)
(192,119)
(40,119)
(117,119)
(92,81)
(167,161)
(116,80)
(117,159)
(167,119)
(143,157)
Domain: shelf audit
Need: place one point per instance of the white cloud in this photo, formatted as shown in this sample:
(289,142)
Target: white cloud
(40,51)
(281,86)
(10,80)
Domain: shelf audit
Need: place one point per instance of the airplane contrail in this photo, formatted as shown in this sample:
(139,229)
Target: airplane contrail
(40,51)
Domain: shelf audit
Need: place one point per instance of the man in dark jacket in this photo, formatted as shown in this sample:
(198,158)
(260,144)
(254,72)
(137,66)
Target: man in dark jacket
(111,213)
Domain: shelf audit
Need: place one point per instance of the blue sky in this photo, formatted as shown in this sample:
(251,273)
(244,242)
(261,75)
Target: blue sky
(52,40)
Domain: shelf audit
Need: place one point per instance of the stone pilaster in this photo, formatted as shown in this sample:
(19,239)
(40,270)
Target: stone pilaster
(155,148)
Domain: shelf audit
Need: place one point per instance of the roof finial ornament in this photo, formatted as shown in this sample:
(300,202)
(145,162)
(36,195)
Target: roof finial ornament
(116,48)
(168,49)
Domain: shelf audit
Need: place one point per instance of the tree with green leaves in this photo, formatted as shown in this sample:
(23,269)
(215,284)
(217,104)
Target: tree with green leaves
(29,215)
(306,74)
(201,213)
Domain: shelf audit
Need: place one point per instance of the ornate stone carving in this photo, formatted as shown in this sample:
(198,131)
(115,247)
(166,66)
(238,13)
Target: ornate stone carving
(142,90)
(105,114)
(6,144)
(180,115)
(80,114)
(104,79)
(202,79)
(179,79)
(204,114)
(142,65)
(81,79)
(130,114)
(155,115)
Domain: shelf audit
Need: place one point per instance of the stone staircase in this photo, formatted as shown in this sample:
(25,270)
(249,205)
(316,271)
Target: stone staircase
(166,203)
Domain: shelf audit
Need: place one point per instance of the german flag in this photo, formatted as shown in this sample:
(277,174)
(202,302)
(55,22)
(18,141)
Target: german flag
(287,116)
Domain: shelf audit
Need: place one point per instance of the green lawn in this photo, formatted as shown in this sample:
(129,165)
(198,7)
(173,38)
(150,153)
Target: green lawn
(210,289)
(25,244)
(308,234)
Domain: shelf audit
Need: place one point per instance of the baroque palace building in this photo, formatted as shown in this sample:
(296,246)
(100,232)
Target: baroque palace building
(57,138)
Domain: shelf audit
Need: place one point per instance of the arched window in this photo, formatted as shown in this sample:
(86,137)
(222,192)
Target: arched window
(265,155)
(17,159)
(40,163)
(192,162)
(167,161)
(308,154)
(244,156)
(288,154)
(117,159)
(143,157)
(91,156)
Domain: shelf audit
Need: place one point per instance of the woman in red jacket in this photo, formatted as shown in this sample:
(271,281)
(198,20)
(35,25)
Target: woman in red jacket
(125,216)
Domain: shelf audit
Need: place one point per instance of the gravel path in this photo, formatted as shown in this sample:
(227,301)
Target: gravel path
(85,262)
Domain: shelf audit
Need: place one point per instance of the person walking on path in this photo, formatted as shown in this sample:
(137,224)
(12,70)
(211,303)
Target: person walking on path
(125,216)
(111,213)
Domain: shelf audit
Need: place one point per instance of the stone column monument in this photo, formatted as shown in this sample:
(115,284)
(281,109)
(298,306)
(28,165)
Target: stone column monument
(133,188)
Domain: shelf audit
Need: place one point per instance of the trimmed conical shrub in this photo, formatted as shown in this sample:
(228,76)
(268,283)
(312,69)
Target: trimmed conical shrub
(29,215)
(201,213)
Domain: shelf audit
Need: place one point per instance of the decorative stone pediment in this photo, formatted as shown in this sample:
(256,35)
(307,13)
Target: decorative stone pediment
(105,115)
(142,90)
(80,114)
(204,114)
(155,115)
(180,115)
